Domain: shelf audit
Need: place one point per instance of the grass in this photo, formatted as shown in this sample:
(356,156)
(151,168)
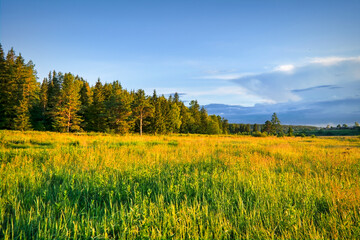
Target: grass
(95,186)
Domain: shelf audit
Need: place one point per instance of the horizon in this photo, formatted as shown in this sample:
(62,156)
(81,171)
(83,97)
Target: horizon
(241,60)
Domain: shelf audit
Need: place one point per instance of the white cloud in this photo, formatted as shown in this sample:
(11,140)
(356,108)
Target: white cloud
(316,79)
(282,84)
(285,68)
(231,94)
(230,76)
(328,61)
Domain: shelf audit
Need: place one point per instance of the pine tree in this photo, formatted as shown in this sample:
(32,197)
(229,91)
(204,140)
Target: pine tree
(290,132)
(3,86)
(255,127)
(86,102)
(25,80)
(185,119)
(158,117)
(141,108)
(119,109)
(276,126)
(8,90)
(44,96)
(53,98)
(195,121)
(66,115)
(213,125)
(97,114)
(203,121)
(174,120)
(225,126)
(176,98)
(268,128)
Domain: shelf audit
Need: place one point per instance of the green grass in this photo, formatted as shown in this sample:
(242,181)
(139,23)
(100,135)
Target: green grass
(73,186)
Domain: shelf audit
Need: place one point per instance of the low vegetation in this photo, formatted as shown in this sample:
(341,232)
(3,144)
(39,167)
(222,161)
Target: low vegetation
(96,186)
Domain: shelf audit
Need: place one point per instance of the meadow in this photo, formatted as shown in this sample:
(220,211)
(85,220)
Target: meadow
(96,186)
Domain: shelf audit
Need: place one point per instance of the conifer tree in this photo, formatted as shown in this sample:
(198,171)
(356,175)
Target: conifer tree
(119,109)
(185,119)
(8,90)
(174,120)
(3,85)
(44,95)
(212,125)
(53,97)
(290,132)
(158,118)
(195,120)
(25,81)
(97,114)
(141,108)
(204,121)
(225,126)
(276,126)
(268,128)
(61,102)
(66,114)
(86,101)
(255,127)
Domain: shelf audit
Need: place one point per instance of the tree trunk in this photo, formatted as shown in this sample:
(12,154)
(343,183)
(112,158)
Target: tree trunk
(68,123)
(141,118)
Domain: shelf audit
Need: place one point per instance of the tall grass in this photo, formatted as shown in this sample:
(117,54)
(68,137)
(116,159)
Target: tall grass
(93,186)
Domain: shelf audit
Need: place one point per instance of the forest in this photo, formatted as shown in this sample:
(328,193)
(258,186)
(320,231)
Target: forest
(67,103)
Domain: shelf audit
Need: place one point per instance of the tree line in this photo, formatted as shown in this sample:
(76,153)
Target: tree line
(67,103)
(271,127)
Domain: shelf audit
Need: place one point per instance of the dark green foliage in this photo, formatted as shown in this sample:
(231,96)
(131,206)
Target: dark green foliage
(67,103)
(141,108)
(290,132)
(119,109)
(53,97)
(268,128)
(18,89)
(66,110)
(276,125)
(97,114)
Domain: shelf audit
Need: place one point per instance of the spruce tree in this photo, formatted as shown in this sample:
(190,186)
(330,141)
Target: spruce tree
(276,125)
(8,90)
(195,121)
(26,86)
(213,125)
(3,85)
(97,114)
(119,109)
(290,132)
(185,118)
(268,128)
(204,121)
(174,118)
(66,114)
(53,98)
(43,99)
(141,108)
(86,102)
(158,117)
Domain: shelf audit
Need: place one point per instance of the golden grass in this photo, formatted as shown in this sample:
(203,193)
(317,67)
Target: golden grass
(84,186)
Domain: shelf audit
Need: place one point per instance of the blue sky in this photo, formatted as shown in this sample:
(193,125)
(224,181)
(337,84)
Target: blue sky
(241,59)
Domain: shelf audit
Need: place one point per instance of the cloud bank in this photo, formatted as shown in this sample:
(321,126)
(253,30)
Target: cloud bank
(318,91)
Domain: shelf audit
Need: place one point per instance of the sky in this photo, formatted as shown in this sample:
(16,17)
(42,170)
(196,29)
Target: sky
(242,60)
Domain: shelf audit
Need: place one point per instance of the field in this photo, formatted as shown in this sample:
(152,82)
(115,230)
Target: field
(93,186)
